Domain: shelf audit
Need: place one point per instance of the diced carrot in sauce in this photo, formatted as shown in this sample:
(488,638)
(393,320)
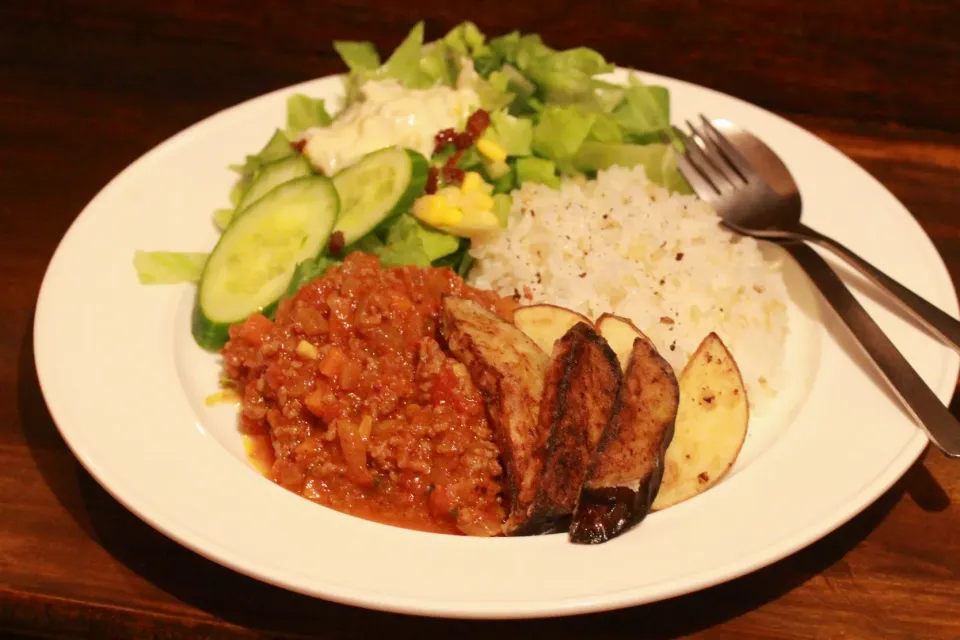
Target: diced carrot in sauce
(332,361)
(353,442)
(255,328)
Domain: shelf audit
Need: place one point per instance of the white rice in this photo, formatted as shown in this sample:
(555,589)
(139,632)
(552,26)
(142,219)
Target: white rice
(622,244)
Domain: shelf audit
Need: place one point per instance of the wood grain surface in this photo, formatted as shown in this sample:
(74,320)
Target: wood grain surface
(86,87)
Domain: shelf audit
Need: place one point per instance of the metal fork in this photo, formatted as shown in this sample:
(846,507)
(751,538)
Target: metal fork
(720,174)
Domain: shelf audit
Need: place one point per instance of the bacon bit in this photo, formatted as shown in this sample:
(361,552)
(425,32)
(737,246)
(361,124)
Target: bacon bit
(666,320)
(477,123)
(463,141)
(443,138)
(433,178)
(708,399)
(451,173)
(527,292)
(583,275)
(337,243)
(298,145)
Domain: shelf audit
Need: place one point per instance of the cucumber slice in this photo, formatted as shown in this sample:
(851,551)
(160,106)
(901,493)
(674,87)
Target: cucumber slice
(273,175)
(251,266)
(381,185)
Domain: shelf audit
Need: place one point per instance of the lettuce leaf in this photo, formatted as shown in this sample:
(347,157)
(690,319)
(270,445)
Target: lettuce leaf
(308,271)
(466,40)
(658,161)
(562,77)
(358,56)
(606,129)
(497,52)
(560,132)
(644,111)
(514,134)
(437,65)
(409,242)
(168,267)
(501,208)
(277,148)
(222,217)
(533,169)
(404,63)
(304,112)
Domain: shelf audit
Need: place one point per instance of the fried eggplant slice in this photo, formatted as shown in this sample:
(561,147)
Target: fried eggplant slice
(578,398)
(627,467)
(508,368)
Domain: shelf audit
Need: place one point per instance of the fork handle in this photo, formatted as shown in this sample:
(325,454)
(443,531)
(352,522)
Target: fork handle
(928,315)
(942,428)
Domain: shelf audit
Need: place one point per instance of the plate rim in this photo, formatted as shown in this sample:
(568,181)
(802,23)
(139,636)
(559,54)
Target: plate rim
(891,473)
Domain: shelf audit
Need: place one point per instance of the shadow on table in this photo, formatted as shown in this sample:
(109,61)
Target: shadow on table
(239,600)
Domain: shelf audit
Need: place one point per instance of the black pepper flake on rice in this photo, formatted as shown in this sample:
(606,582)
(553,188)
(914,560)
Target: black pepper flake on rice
(663,281)
(673,346)
(583,275)
(539,279)
(679,256)
(516,295)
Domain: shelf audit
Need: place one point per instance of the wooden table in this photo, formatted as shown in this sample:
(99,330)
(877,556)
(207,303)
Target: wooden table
(85,88)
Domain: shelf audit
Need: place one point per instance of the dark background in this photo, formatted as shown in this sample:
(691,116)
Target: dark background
(86,87)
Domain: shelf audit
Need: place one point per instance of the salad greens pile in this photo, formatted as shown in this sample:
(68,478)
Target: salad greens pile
(551,112)
(547,104)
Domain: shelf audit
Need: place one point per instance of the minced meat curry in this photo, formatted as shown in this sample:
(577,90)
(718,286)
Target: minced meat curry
(365,409)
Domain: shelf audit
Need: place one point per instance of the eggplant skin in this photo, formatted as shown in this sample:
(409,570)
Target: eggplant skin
(508,368)
(580,391)
(627,468)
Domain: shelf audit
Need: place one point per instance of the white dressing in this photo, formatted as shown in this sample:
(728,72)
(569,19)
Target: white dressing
(388,114)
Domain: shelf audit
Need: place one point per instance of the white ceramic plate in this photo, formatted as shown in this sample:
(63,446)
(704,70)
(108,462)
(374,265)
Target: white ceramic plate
(125,384)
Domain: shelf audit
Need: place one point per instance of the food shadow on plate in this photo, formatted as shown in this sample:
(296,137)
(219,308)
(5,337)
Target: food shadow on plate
(239,600)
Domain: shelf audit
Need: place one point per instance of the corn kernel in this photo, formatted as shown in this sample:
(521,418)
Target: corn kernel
(430,207)
(471,182)
(307,350)
(452,216)
(492,151)
(224,395)
(478,201)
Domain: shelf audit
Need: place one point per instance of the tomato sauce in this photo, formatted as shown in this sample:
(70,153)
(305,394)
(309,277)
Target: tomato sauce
(364,408)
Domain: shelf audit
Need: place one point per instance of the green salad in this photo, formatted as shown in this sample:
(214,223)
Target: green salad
(421,158)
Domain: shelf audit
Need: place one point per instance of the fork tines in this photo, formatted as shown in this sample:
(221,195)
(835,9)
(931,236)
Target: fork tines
(709,162)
